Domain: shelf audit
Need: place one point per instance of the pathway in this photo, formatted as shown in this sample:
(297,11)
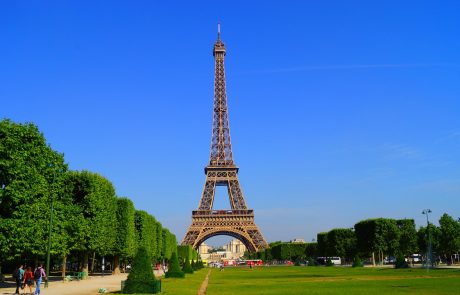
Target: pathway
(89,286)
(204,285)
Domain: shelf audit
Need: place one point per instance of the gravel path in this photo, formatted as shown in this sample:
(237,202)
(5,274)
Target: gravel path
(89,286)
(204,285)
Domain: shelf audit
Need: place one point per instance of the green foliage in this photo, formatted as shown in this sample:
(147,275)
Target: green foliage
(95,196)
(322,248)
(329,262)
(401,262)
(289,251)
(186,252)
(407,237)
(449,235)
(357,262)
(140,278)
(377,235)
(30,174)
(341,242)
(423,238)
(169,244)
(146,231)
(311,262)
(174,270)
(187,268)
(87,216)
(311,250)
(126,234)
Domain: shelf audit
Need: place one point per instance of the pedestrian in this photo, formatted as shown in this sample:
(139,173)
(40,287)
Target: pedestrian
(28,280)
(18,275)
(39,274)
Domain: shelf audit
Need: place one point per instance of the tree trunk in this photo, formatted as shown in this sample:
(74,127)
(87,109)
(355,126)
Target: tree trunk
(373,259)
(84,267)
(116,265)
(64,266)
(92,263)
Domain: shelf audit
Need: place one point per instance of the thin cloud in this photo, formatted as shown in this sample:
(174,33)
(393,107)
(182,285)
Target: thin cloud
(401,151)
(350,67)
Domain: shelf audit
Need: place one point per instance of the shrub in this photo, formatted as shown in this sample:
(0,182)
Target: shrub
(195,265)
(311,262)
(187,267)
(357,262)
(401,262)
(329,262)
(140,278)
(174,270)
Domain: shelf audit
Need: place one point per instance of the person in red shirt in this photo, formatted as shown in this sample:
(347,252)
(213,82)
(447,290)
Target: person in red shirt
(28,279)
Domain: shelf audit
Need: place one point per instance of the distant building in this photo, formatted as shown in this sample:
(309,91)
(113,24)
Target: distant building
(235,249)
(204,249)
(298,240)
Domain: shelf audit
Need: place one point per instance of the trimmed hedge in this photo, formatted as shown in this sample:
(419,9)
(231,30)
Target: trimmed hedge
(140,278)
(174,270)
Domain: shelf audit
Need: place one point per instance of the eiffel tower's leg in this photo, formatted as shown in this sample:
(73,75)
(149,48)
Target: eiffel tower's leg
(207,197)
(236,195)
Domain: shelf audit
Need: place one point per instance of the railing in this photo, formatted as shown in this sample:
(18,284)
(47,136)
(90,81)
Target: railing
(222,212)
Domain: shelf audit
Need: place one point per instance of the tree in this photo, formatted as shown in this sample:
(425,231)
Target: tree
(95,196)
(341,242)
(423,238)
(125,245)
(379,235)
(311,250)
(146,232)
(187,268)
(321,239)
(30,173)
(174,270)
(289,251)
(449,238)
(407,237)
(140,278)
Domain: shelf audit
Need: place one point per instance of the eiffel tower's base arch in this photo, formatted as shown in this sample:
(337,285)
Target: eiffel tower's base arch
(235,223)
(235,234)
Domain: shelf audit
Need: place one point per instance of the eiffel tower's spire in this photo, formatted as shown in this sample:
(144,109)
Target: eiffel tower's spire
(221,147)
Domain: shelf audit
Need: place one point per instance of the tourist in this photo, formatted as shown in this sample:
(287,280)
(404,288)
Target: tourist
(28,279)
(39,273)
(18,275)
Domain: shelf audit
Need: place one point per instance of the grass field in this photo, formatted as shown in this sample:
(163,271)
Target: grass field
(331,280)
(189,285)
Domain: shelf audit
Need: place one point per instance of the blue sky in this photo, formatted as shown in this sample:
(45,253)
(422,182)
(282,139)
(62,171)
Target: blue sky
(339,110)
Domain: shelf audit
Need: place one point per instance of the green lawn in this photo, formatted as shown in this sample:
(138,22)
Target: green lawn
(189,285)
(330,280)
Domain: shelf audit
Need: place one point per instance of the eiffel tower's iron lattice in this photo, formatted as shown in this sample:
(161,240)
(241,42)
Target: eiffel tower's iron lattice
(221,171)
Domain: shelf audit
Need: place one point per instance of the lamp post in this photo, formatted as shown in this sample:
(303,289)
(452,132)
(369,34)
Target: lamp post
(428,252)
(50,229)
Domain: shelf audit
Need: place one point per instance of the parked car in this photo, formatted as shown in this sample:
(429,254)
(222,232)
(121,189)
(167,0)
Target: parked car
(389,260)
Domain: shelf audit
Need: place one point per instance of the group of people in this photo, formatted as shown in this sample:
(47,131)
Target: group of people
(26,278)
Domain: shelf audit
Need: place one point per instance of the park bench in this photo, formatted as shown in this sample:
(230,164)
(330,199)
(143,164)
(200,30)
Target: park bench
(78,275)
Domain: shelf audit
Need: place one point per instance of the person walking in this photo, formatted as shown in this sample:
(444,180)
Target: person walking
(18,276)
(28,280)
(39,274)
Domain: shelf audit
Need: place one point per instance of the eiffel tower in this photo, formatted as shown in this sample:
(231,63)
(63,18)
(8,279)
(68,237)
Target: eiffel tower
(222,171)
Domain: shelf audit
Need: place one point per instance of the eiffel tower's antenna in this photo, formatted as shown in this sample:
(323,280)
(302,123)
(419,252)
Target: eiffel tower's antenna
(218,31)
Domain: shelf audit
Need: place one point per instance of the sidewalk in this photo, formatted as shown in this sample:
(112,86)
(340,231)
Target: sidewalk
(89,286)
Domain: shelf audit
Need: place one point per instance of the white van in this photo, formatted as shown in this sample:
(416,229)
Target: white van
(336,260)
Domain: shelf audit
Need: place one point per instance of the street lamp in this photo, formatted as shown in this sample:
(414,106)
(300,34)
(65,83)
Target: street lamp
(50,228)
(428,252)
